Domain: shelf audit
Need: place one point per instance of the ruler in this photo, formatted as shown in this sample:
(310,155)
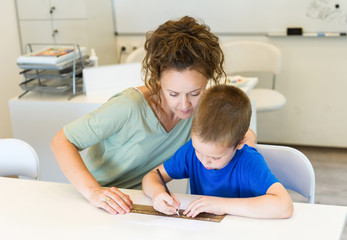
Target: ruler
(145,209)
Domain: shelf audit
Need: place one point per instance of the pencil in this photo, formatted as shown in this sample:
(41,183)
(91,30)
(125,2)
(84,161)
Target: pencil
(166,189)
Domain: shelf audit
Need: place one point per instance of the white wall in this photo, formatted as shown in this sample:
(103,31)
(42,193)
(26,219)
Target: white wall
(314,69)
(9,72)
(10,50)
(314,81)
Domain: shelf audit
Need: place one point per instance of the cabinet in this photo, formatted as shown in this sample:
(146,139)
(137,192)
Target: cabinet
(37,117)
(69,21)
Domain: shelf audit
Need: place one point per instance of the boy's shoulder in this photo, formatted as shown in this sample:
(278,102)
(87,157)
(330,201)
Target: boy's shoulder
(249,150)
(249,155)
(187,147)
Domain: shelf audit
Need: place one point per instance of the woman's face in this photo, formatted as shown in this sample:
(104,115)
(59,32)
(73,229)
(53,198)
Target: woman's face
(182,90)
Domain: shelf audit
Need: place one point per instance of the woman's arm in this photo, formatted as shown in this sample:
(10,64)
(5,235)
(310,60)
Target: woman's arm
(276,203)
(153,187)
(72,165)
(250,138)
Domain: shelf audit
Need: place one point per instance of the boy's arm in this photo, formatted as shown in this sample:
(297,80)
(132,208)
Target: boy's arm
(153,187)
(276,203)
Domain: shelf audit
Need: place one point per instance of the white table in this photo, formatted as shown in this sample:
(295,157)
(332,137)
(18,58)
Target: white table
(46,210)
(249,84)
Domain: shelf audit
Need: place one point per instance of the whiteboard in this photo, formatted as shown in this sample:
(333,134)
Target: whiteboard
(233,16)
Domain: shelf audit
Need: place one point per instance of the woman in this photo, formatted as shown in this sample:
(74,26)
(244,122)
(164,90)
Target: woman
(139,128)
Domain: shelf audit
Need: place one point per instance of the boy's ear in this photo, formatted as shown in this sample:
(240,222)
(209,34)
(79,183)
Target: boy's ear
(240,145)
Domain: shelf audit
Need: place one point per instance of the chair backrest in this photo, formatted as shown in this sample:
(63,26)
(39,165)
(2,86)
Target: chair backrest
(136,56)
(251,56)
(18,158)
(291,167)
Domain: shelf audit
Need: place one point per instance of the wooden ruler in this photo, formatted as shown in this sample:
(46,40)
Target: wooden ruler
(145,209)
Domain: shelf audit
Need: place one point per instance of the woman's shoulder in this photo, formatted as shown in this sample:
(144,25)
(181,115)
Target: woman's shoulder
(129,98)
(130,94)
(121,105)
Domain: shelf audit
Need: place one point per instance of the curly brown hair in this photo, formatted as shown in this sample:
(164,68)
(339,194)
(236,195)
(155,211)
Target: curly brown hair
(182,44)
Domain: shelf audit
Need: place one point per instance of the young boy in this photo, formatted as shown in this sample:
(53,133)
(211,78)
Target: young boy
(232,176)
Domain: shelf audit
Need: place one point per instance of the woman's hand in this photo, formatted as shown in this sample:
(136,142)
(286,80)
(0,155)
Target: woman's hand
(72,165)
(204,204)
(165,203)
(111,199)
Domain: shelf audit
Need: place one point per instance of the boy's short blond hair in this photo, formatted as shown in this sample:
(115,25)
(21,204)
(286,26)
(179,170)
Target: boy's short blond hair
(222,116)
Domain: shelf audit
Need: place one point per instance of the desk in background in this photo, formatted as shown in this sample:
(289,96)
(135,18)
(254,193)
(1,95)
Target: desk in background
(36,118)
(46,210)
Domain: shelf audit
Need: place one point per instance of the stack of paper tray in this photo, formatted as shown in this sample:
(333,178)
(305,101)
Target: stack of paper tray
(51,80)
(47,85)
(52,55)
(53,69)
(66,65)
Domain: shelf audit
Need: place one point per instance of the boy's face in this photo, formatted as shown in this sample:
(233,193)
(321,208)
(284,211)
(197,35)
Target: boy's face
(213,156)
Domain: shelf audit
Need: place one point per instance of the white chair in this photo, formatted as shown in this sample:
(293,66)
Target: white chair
(136,56)
(291,167)
(18,158)
(256,57)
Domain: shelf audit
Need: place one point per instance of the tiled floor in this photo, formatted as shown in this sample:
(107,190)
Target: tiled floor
(330,166)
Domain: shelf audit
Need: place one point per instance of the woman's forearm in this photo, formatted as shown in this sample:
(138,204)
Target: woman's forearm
(72,165)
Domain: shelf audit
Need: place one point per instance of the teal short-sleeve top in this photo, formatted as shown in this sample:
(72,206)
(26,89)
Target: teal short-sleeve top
(125,139)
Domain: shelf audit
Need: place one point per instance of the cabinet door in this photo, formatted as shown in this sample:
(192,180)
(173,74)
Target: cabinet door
(55,9)
(36,32)
(33,9)
(73,31)
(68,9)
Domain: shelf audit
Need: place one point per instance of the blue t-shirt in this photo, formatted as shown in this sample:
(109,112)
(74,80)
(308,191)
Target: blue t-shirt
(246,175)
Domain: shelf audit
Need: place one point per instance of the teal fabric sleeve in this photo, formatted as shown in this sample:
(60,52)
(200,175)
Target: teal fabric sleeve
(125,139)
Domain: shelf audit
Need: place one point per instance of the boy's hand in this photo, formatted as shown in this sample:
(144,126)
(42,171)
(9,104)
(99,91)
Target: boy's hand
(204,204)
(164,203)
